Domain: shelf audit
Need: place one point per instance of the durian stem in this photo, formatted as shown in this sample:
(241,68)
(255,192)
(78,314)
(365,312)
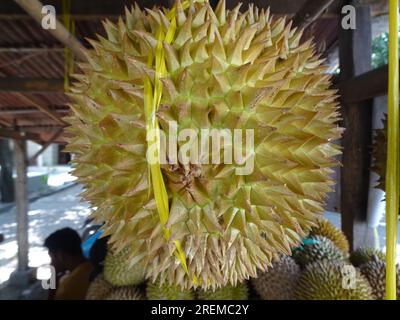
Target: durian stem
(392,172)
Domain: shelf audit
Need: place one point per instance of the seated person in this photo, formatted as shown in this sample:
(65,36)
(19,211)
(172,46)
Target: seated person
(66,255)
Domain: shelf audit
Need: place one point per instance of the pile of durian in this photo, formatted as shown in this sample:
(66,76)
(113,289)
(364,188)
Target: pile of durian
(120,281)
(321,269)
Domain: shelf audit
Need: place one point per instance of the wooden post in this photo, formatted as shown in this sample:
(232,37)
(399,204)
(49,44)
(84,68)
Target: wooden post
(6,178)
(368,85)
(21,195)
(355,52)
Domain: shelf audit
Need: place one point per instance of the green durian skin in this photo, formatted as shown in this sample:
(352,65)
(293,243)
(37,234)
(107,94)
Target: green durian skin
(375,272)
(239,292)
(125,293)
(323,280)
(118,272)
(98,289)
(328,230)
(279,281)
(155,291)
(323,248)
(363,255)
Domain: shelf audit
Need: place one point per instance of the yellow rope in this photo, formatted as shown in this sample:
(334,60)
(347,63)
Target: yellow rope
(393,152)
(152,98)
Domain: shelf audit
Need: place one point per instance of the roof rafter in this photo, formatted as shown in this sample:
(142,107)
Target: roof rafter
(31,101)
(32,85)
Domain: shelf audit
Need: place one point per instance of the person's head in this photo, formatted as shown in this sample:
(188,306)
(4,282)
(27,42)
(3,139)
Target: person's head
(64,246)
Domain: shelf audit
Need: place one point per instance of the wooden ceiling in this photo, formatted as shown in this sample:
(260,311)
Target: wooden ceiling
(32,98)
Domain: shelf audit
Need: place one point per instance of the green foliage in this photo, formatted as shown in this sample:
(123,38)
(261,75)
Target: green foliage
(380,50)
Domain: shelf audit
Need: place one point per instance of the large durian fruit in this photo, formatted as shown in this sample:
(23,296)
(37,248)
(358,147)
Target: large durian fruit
(225,69)
(279,282)
(363,255)
(317,248)
(238,292)
(326,229)
(375,272)
(125,293)
(324,280)
(119,271)
(99,288)
(157,291)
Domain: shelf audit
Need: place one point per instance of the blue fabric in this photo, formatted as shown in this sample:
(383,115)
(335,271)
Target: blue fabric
(87,245)
(306,242)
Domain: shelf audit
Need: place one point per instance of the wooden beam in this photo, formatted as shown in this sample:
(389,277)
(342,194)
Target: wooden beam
(368,85)
(38,49)
(41,126)
(310,11)
(19,135)
(81,10)
(4,123)
(355,52)
(276,6)
(97,10)
(32,85)
(26,110)
(34,9)
(21,197)
(46,145)
(31,101)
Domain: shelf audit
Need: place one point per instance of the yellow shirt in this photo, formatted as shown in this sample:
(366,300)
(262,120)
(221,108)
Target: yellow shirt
(74,285)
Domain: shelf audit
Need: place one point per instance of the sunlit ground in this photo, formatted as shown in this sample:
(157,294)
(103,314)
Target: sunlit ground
(56,175)
(46,215)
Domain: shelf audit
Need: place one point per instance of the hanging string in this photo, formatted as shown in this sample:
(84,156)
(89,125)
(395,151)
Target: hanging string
(393,152)
(152,99)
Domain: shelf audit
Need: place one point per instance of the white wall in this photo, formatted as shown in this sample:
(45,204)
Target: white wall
(48,158)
